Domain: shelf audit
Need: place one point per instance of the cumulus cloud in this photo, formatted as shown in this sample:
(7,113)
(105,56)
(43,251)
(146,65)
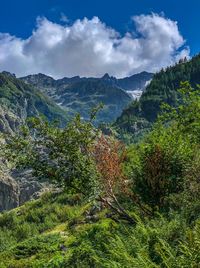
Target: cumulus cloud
(91,48)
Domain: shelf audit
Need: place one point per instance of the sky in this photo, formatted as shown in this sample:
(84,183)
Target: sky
(89,38)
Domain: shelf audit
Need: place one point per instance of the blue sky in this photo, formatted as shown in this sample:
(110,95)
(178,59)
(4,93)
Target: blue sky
(18,18)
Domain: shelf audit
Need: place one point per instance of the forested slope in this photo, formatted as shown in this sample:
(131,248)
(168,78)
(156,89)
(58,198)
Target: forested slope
(163,88)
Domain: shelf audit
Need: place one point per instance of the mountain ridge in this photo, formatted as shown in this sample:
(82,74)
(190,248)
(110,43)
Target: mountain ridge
(81,94)
(124,83)
(19,101)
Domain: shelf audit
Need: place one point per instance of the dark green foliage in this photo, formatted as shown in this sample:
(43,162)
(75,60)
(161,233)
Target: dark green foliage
(157,166)
(62,155)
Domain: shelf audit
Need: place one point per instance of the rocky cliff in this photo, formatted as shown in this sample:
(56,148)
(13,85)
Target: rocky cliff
(18,187)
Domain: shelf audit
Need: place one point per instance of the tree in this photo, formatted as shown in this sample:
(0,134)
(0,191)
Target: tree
(62,155)
(74,158)
(109,155)
(167,151)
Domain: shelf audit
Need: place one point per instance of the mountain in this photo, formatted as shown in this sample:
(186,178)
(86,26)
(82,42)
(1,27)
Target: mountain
(162,88)
(80,95)
(117,206)
(131,83)
(19,100)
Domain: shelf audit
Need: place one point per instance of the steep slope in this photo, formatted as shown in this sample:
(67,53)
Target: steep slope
(61,231)
(19,100)
(81,94)
(131,83)
(163,88)
(136,81)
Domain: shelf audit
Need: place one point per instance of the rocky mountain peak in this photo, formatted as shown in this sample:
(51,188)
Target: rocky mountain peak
(106,76)
(8,74)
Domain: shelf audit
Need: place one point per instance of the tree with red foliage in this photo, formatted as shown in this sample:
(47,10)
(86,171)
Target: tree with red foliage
(109,155)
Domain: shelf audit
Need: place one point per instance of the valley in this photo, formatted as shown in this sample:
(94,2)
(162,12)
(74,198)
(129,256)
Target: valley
(99,134)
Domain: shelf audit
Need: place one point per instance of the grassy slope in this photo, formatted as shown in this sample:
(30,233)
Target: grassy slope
(55,232)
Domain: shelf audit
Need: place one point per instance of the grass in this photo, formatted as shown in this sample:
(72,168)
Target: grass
(54,232)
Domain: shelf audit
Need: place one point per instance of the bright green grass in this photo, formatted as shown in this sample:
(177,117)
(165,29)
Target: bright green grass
(54,232)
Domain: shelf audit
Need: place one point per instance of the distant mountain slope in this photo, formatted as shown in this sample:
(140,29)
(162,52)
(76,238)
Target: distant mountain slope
(163,88)
(19,100)
(81,94)
(136,81)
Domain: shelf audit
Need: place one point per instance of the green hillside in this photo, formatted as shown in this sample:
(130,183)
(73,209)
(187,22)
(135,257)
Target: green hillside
(62,231)
(163,88)
(116,206)
(19,101)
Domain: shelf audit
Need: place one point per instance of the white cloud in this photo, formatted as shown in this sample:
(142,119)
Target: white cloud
(90,48)
(63,18)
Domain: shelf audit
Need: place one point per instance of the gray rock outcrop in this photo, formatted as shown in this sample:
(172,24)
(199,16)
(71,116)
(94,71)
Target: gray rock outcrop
(9,192)
(18,187)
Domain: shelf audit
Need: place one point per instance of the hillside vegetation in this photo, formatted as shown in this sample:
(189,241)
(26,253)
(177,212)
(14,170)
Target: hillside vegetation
(163,88)
(19,101)
(135,206)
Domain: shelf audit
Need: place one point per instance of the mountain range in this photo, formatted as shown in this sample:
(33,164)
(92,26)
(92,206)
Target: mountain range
(41,95)
(80,95)
(144,214)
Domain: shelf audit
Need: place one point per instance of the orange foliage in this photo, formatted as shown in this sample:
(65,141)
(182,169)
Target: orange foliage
(109,155)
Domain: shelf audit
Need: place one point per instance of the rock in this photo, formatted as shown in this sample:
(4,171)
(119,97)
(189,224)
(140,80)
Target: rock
(18,187)
(29,187)
(93,218)
(9,192)
(9,122)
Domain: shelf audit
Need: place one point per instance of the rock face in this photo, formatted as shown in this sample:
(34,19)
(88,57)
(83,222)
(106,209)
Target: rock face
(18,187)
(9,121)
(29,187)
(9,192)
(18,101)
